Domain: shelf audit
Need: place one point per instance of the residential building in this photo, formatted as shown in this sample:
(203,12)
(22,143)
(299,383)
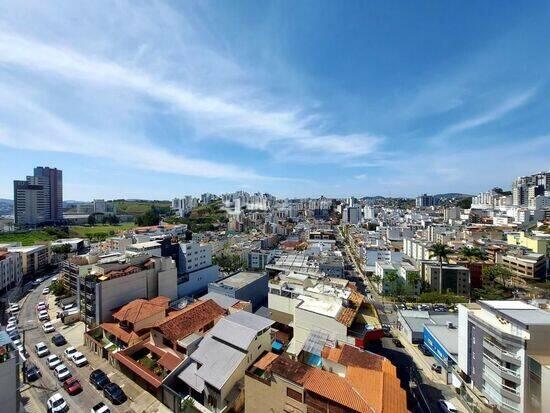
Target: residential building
(11,270)
(538,241)
(499,343)
(351,215)
(34,258)
(195,269)
(107,286)
(410,277)
(245,286)
(9,375)
(455,278)
(347,380)
(424,201)
(257,259)
(213,374)
(39,199)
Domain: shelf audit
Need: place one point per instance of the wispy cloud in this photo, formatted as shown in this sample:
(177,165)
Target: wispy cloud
(258,127)
(503,108)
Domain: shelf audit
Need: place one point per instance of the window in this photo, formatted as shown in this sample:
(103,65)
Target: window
(293,394)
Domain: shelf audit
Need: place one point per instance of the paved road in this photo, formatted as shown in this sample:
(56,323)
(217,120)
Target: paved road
(40,390)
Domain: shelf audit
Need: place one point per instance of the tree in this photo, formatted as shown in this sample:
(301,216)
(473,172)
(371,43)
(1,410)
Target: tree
(57,288)
(61,249)
(91,220)
(471,254)
(413,280)
(150,218)
(392,280)
(497,272)
(228,263)
(441,252)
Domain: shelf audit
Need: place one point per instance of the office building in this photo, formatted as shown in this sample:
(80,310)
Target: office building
(39,199)
(501,345)
(525,264)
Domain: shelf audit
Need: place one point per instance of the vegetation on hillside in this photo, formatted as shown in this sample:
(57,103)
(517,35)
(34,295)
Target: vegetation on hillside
(140,207)
(202,218)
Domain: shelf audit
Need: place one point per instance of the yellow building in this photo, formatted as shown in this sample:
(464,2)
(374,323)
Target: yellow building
(538,242)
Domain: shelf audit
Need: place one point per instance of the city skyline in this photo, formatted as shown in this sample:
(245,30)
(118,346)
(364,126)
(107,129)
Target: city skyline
(176,99)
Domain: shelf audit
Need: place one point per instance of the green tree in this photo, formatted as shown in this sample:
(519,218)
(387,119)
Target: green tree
(497,272)
(91,220)
(471,255)
(229,263)
(151,217)
(61,249)
(413,280)
(57,288)
(441,252)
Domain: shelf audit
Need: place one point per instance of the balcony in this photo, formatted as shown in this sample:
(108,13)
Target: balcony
(502,371)
(500,352)
(498,385)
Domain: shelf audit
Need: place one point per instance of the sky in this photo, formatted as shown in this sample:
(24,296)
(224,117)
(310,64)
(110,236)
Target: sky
(154,99)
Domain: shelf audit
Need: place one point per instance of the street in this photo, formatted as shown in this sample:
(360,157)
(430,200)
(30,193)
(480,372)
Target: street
(34,395)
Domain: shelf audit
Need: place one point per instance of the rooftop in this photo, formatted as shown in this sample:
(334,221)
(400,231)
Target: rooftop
(240,279)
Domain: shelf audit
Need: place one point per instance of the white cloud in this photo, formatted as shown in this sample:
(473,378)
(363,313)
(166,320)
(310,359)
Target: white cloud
(253,124)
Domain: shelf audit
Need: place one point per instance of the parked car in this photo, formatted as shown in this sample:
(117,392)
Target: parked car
(57,404)
(446,406)
(46,290)
(43,315)
(41,349)
(23,352)
(16,343)
(31,372)
(424,350)
(14,335)
(114,393)
(53,361)
(11,327)
(436,368)
(99,379)
(59,340)
(69,351)
(78,359)
(41,306)
(48,327)
(100,408)
(397,343)
(72,386)
(62,372)
(12,320)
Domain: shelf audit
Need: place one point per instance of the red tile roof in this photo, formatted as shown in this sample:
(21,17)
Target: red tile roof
(194,317)
(138,310)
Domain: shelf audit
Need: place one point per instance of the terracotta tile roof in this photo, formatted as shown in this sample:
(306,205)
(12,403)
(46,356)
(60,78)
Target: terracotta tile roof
(336,388)
(123,335)
(181,323)
(169,361)
(347,315)
(138,310)
(290,369)
(265,361)
(160,300)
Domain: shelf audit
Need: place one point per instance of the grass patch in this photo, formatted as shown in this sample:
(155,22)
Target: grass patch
(83,230)
(27,238)
(136,208)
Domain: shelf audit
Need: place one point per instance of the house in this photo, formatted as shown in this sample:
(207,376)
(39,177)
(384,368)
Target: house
(348,380)
(213,374)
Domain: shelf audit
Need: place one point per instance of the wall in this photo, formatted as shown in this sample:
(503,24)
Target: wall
(305,321)
(261,398)
(198,281)
(9,382)
(255,292)
(117,292)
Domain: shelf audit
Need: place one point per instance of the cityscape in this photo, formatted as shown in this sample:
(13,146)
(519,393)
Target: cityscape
(207,207)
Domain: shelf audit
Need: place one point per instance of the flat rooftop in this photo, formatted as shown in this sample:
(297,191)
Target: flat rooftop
(240,279)
(328,306)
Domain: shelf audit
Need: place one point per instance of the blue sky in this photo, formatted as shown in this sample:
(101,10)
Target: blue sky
(143,99)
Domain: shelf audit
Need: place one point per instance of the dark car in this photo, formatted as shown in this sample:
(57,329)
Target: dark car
(424,350)
(436,368)
(59,340)
(31,372)
(397,343)
(114,393)
(14,335)
(99,379)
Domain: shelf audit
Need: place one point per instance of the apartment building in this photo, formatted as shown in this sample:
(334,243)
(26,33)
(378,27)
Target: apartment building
(347,380)
(34,258)
(351,215)
(104,287)
(416,249)
(9,375)
(11,270)
(538,242)
(501,347)
(195,269)
(454,279)
(245,286)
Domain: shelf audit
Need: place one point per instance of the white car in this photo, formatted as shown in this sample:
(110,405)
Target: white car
(100,408)
(69,351)
(57,404)
(43,315)
(53,361)
(78,359)
(48,327)
(46,290)
(41,306)
(16,343)
(11,327)
(12,320)
(41,349)
(62,372)
(447,406)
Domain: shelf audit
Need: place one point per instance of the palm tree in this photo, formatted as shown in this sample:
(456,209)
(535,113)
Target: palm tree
(441,252)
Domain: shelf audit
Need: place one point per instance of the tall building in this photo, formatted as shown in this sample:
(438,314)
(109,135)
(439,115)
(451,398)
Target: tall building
(501,346)
(39,199)
(352,215)
(425,200)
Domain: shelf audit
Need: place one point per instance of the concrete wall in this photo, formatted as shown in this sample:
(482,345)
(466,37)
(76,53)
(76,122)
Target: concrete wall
(263,398)
(198,281)
(305,321)
(9,382)
(119,291)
